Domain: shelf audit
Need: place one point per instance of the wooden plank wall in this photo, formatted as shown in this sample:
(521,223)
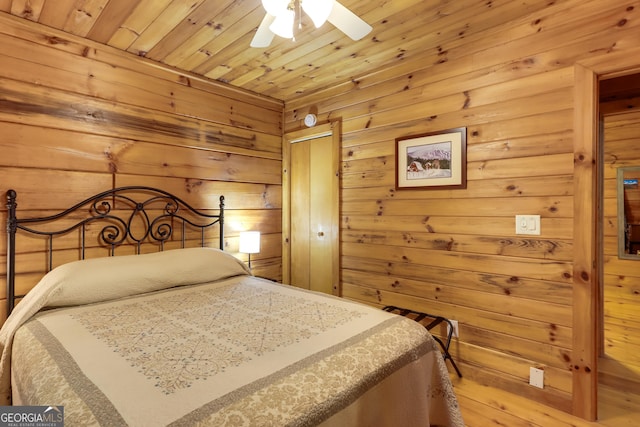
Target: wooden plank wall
(620,364)
(78,118)
(455,252)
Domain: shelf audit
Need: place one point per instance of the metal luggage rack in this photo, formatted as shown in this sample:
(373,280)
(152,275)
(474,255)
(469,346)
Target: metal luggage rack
(419,317)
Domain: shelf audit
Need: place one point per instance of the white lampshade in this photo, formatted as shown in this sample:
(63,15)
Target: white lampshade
(318,10)
(249,242)
(283,24)
(275,7)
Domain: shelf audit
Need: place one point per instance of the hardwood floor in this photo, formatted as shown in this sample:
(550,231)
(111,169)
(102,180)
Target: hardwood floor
(486,406)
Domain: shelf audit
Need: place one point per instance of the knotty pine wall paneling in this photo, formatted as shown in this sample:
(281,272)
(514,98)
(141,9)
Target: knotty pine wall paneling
(455,252)
(77,118)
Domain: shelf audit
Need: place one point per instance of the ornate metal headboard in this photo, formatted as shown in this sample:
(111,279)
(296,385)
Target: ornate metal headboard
(124,221)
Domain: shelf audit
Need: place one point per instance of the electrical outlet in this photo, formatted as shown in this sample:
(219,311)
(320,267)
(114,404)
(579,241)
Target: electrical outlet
(454,323)
(536,377)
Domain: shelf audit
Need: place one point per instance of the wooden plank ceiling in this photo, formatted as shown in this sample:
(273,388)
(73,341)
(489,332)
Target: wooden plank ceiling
(211,37)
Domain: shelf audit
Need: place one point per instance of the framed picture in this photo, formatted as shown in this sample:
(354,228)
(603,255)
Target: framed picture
(435,160)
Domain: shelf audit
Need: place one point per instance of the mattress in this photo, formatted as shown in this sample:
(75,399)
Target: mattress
(188,337)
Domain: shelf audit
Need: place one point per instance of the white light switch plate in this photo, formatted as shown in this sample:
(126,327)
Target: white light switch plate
(528,224)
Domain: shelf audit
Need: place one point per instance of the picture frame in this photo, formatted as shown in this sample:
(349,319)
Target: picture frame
(436,160)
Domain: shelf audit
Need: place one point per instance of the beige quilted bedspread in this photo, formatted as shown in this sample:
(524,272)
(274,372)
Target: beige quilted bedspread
(235,351)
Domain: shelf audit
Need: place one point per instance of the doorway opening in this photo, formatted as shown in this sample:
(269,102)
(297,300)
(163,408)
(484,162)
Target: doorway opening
(619,274)
(587,297)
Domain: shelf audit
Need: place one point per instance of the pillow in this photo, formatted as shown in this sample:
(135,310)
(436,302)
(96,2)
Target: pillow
(102,279)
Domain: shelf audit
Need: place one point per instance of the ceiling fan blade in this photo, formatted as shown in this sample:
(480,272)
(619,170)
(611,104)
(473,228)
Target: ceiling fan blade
(348,22)
(263,36)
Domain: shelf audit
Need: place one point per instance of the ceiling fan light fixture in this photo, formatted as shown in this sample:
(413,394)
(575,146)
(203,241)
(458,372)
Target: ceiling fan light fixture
(281,15)
(318,10)
(275,7)
(283,24)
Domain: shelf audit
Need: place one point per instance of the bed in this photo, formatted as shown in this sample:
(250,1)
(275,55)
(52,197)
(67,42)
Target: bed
(187,336)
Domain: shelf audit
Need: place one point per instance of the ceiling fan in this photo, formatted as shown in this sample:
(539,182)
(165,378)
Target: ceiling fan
(280,17)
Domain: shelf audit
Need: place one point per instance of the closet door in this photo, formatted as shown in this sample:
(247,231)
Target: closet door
(313,230)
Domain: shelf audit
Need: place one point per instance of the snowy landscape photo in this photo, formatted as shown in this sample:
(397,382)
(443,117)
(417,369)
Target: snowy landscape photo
(429,161)
(432,160)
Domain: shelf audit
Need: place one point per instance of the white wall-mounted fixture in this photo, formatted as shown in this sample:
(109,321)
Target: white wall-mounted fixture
(310,120)
(454,331)
(249,243)
(528,224)
(536,377)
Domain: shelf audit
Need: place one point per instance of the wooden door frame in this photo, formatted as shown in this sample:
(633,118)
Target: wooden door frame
(586,288)
(332,129)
